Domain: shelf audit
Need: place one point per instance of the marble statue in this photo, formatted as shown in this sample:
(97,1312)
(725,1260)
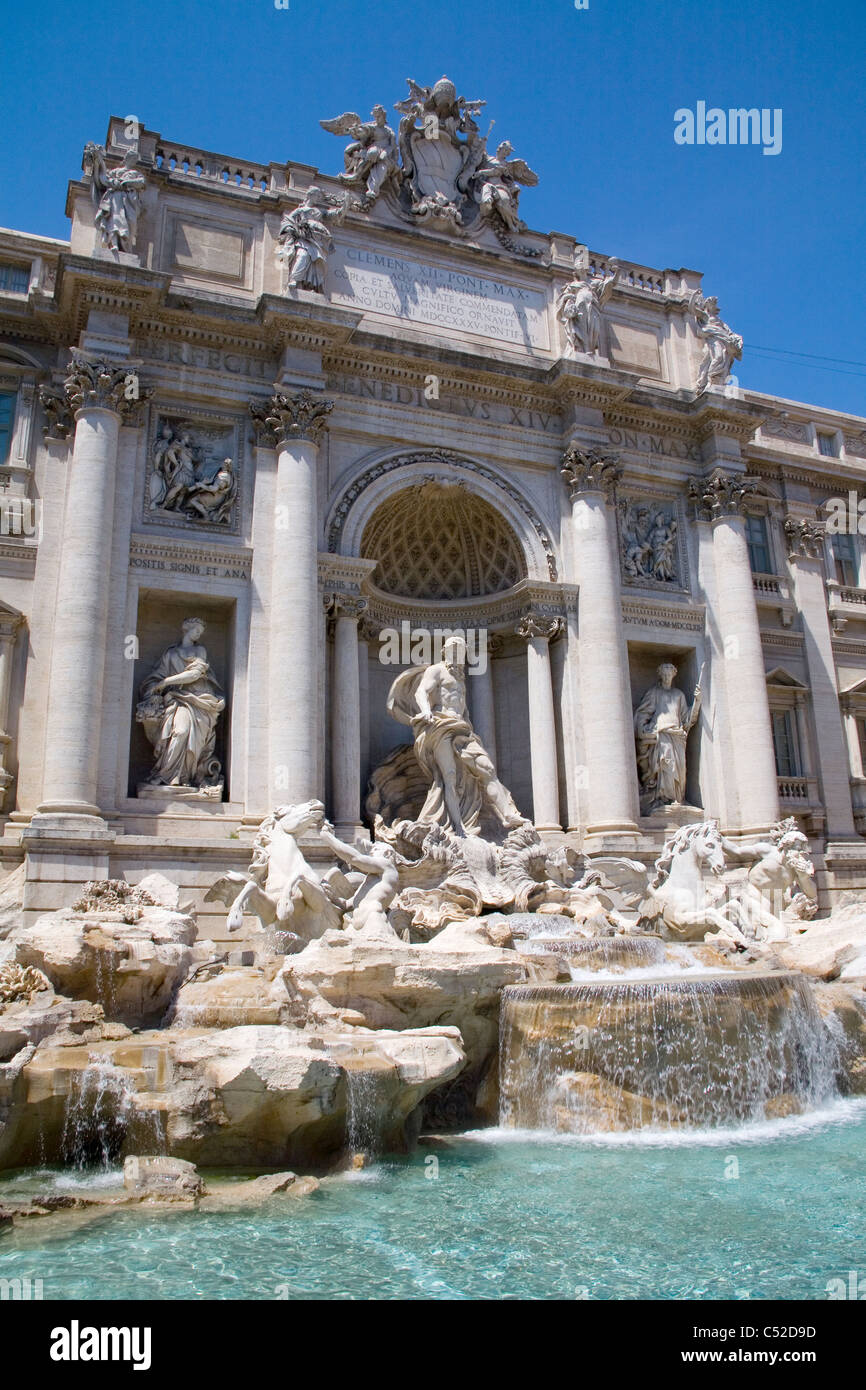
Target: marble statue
(181,481)
(722,346)
(779,895)
(305,238)
(280,887)
(180,703)
(648,540)
(464,785)
(579,306)
(497,185)
(115,194)
(662,722)
(372,156)
(441,148)
(376,880)
(685,898)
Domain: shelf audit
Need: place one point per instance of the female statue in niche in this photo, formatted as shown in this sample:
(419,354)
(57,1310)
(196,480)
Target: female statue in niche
(179,707)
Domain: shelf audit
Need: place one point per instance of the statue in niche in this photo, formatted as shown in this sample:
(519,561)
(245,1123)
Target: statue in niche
(182,481)
(372,157)
(497,185)
(722,346)
(579,307)
(649,542)
(115,194)
(305,238)
(180,703)
(432,701)
(662,723)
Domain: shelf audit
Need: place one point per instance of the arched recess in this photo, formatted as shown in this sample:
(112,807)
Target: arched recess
(355,504)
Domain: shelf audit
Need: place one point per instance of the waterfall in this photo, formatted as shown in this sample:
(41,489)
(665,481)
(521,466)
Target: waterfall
(97,1114)
(608,1055)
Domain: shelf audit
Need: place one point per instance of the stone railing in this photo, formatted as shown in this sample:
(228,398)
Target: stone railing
(802,789)
(773,591)
(206,167)
(635,277)
(844,602)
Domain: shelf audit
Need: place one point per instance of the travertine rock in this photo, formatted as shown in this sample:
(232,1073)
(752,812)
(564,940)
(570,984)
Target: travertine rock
(831,948)
(131,968)
(168,1179)
(11,900)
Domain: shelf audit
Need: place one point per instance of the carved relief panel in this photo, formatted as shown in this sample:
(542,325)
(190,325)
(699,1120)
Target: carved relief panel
(652,552)
(193,473)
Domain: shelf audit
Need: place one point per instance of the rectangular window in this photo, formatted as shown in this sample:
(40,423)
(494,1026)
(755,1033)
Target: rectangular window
(785,744)
(14,277)
(861,734)
(846,559)
(759,545)
(827,445)
(7,416)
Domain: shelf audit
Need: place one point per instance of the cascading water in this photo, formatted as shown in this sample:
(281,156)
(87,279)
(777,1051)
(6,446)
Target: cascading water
(97,1115)
(616,1054)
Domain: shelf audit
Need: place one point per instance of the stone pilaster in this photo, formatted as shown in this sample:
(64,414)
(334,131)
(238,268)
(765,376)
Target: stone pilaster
(101,394)
(611,773)
(482,707)
(293,424)
(805,539)
(345,610)
(538,631)
(719,499)
(10,625)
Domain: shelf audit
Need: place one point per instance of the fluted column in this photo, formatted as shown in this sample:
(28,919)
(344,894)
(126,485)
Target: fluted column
(538,631)
(100,394)
(346,609)
(293,425)
(481,698)
(608,734)
(720,499)
(805,554)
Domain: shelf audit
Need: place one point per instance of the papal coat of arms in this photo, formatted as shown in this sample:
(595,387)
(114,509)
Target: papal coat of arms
(436,170)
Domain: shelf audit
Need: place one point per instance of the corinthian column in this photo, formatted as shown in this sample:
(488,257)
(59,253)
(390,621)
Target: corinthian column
(538,631)
(806,557)
(346,609)
(608,735)
(720,499)
(293,425)
(99,394)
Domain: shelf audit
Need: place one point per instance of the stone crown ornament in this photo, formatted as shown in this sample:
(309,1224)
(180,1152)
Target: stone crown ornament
(281,418)
(805,538)
(590,470)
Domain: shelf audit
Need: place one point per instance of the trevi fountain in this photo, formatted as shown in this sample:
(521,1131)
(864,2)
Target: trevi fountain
(432,850)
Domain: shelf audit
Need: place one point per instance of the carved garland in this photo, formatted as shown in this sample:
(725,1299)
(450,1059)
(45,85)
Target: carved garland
(378,470)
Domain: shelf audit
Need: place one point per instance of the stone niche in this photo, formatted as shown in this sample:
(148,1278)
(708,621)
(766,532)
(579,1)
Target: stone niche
(644,661)
(160,619)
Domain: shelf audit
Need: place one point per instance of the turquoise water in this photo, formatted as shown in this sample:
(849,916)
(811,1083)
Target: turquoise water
(510,1216)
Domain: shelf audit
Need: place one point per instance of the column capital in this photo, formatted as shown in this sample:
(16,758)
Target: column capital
(539,625)
(280,418)
(805,538)
(720,494)
(58,416)
(100,384)
(341,604)
(590,470)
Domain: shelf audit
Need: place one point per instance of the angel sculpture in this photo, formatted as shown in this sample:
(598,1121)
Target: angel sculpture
(372,156)
(722,346)
(497,179)
(305,238)
(115,195)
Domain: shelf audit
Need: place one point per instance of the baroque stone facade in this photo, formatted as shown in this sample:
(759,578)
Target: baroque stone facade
(323,419)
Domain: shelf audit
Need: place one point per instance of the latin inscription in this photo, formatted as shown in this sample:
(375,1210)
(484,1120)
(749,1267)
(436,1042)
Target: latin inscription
(405,289)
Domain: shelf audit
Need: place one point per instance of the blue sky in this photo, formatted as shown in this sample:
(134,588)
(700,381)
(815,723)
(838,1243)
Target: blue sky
(586,96)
